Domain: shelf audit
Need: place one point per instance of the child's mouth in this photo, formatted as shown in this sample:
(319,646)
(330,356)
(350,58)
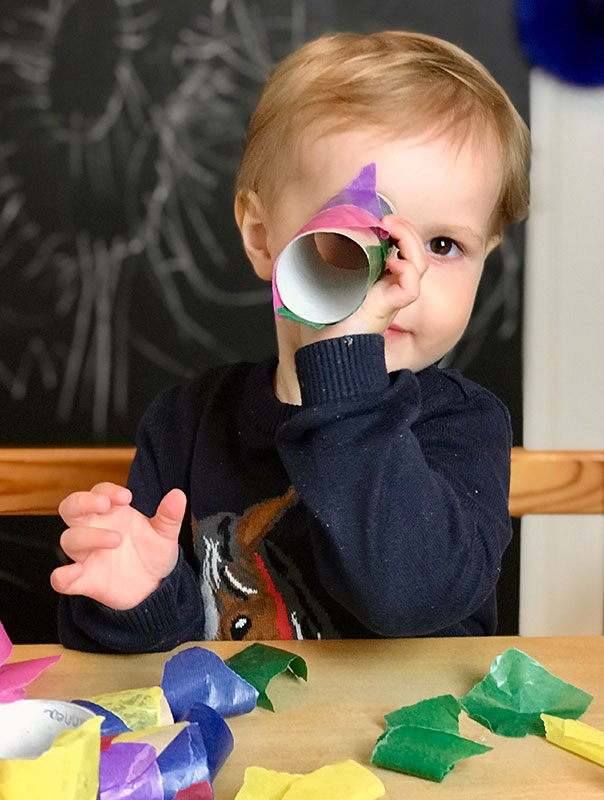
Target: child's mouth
(394,330)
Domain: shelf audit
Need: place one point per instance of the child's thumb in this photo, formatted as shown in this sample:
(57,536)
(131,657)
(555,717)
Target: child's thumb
(169,514)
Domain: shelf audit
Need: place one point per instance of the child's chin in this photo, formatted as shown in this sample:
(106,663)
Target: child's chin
(400,354)
(397,360)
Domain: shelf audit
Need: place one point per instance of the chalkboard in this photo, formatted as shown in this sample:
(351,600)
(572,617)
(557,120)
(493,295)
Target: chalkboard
(121,268)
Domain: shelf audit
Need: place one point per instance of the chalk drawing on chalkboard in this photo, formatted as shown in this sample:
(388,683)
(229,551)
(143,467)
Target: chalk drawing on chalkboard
(123,127)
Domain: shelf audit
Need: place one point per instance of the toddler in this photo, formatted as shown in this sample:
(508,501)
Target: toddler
(347,487)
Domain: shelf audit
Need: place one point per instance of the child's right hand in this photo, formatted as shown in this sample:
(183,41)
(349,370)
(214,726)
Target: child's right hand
(397,288)
(120,554)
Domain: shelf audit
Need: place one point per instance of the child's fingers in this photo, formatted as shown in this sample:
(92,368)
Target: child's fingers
(400,286)
(78,542)
(99,500)
(406,285)
(119,495)
(409,244)
(64,579)
(75,579)
(78,504)
(168,518)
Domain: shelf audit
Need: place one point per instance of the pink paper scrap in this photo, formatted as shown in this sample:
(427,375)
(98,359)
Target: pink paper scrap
(14,677)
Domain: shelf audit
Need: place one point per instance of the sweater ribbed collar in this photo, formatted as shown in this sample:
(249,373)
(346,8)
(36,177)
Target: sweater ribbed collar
(260,410)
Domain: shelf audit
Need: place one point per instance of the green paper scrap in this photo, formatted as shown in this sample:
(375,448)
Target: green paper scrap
(517,690)
(423,739)
(439,713)
(259,663)
(423,752)
(284,312)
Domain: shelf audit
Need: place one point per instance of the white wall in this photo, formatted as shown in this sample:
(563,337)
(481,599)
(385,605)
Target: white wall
(562,558)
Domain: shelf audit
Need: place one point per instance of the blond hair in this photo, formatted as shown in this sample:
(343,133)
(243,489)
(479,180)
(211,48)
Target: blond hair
(404,83)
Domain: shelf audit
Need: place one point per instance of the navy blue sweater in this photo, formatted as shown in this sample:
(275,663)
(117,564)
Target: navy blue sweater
(377,508)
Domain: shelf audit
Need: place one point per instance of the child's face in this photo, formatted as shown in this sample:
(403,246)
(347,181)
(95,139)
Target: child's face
(446,190)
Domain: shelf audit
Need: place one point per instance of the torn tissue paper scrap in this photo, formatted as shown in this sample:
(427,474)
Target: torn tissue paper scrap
(424,740)
(130,709)
(516,691)
(14,677)
(345,780)
(575,736)
(259,663)
(198,675)
(68,770)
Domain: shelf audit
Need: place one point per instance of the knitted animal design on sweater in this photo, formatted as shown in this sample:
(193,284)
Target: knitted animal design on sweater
(250,588)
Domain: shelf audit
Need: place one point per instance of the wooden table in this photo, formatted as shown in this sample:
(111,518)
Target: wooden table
(338,714)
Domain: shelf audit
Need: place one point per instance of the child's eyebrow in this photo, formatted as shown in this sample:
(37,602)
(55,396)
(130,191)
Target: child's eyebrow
(462,230)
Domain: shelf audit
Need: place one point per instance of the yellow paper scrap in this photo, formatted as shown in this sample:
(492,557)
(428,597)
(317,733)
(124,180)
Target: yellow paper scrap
(265,784)
(159,736)
(575,736)
(137,708)
(68,770)
(346,780)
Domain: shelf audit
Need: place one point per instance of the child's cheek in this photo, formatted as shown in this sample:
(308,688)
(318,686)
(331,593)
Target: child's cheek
(447,299)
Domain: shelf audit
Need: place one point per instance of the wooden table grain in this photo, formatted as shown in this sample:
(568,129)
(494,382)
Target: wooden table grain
(338,714)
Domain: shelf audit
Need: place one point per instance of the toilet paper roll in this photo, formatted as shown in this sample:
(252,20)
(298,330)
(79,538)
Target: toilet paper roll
(29,727)
(311,289)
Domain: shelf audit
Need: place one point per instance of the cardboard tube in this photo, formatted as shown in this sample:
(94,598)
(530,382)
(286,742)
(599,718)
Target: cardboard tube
(29,727)
(310,289)
(320,292)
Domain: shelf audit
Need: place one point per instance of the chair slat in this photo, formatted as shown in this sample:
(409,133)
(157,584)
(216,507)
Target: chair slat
(35,480)
(557,482)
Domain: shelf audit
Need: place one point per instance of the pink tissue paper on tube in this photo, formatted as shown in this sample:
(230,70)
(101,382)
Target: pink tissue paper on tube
(316,292)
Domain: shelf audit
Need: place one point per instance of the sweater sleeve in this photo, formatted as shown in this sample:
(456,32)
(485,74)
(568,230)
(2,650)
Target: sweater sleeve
(165,619)
(408,493)
(173,613)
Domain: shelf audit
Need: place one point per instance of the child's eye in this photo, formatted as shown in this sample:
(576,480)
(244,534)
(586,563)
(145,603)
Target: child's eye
(443,246)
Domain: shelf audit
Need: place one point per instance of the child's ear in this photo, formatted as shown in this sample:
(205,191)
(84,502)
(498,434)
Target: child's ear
(249,214)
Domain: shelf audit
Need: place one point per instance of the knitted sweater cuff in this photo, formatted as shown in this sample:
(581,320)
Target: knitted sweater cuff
(349,367)
(158,618)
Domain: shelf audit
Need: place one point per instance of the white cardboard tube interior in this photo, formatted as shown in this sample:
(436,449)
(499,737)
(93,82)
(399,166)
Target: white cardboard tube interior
(29,727)
(315,290)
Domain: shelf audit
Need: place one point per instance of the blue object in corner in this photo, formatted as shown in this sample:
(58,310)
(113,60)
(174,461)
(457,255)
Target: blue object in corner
(564,37)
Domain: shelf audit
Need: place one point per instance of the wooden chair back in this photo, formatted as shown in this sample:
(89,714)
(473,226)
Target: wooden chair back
(557,482)
(33,481)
